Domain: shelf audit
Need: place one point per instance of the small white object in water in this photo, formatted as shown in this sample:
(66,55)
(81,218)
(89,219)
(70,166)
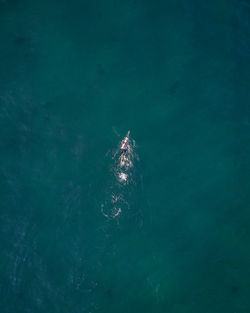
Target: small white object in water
(117,213)
(123,176)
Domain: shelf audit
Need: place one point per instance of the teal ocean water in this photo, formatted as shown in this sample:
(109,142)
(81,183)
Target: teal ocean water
(75,76)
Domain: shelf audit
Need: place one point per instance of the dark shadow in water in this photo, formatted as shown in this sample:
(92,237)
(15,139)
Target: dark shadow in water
(235,289)
(109,293)
(174,87)
(100,69)
(20,40)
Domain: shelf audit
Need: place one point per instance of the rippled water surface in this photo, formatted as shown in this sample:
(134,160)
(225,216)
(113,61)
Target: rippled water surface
(172,235)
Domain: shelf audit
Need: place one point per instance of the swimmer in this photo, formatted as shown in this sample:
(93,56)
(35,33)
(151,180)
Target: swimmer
(124,148)
(125,143)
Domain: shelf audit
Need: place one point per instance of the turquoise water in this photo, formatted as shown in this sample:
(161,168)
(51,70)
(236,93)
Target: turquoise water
(74,77)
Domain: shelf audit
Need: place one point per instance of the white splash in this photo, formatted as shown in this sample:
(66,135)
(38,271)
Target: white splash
(123,176)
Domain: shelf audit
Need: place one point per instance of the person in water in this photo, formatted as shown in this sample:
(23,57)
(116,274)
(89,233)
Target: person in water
(124,148)
(125,142)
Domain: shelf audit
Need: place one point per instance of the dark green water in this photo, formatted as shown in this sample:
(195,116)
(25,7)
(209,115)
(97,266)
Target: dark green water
(73,74)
